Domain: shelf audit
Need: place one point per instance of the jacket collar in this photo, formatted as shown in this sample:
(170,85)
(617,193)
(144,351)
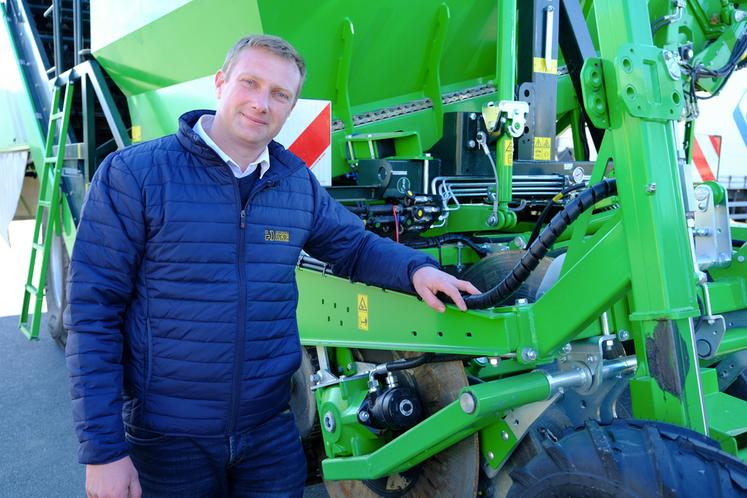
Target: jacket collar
(283,162)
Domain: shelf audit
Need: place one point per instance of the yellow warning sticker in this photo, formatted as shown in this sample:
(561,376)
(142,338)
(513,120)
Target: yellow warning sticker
(542,148)
(508,152)
(137,133)
(362,312)
(542,66)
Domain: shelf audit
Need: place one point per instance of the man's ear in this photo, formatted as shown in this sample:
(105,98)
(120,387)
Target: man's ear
(220,80)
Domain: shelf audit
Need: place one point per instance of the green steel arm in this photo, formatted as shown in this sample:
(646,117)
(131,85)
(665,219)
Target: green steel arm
(443,429)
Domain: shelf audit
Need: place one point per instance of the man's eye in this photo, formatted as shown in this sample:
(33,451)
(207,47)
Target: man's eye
(249,82)
(282,96)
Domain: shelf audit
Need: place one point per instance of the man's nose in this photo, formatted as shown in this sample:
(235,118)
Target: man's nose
(261,101)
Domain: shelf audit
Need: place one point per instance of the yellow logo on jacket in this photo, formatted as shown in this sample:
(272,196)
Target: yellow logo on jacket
(277,235)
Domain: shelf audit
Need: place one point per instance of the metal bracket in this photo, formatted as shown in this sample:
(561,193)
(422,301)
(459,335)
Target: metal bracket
(711,231)
(508,116)
(708,336)
(324,377)
(588,354)
(595,93)
(639,68)
(730,368)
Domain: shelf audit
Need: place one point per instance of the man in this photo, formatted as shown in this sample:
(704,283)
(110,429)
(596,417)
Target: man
(182,316)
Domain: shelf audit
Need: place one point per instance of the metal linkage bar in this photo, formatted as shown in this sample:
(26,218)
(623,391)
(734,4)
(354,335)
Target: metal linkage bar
(476,407)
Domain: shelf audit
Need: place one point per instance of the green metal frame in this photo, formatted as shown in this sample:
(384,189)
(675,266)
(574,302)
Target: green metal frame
(635,264)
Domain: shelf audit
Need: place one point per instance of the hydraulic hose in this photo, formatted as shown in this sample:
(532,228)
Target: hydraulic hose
(409,363)
(542,245)
(447,238)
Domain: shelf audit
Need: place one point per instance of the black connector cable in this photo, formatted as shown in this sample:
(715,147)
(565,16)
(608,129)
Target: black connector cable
(557,198)
(455,237)
(542,245)
(408,363)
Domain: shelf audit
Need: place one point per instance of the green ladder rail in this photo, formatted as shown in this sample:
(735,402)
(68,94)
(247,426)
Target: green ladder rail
(48,208)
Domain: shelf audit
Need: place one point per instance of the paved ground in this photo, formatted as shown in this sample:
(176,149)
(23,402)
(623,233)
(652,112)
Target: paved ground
(37,443)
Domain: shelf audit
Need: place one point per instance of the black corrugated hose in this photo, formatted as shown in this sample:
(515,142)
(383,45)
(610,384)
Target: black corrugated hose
(542,245)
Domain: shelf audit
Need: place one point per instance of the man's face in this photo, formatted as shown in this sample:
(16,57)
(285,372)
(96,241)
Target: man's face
(256,96)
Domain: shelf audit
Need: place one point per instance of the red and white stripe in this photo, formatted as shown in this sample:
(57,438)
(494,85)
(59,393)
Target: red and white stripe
(308,134)
(706,157)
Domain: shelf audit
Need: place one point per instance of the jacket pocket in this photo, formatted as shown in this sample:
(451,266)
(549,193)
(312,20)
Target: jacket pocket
(143,437)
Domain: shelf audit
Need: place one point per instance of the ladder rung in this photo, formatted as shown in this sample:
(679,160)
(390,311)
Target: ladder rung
(26,330)
(52,159)
(57,115)
(45,204)
(37,246)
(32,290)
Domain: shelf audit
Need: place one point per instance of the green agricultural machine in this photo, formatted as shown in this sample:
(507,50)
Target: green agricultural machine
(541,149)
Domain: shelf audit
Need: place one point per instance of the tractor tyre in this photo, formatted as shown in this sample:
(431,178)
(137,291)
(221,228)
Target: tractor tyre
(630,459)
(490,271)
(56,290)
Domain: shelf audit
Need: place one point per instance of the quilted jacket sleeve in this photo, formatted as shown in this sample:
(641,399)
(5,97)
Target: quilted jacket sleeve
(105,261)
(338,237)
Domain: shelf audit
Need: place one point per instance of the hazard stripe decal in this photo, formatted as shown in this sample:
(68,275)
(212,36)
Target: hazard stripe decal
(314,140)
(700,162)
(716,142)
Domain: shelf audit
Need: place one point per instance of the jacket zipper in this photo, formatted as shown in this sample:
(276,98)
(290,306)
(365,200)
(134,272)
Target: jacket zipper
(238,357)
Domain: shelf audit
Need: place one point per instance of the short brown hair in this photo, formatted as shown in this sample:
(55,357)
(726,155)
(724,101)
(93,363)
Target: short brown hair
(271,43)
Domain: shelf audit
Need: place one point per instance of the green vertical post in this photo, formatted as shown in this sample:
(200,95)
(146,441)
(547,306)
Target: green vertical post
(667,386)
(505,65)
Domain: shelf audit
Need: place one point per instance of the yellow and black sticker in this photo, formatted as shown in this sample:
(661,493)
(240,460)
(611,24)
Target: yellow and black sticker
(362,312)
(542,148)
(508,152)
(137,133)
(542,66)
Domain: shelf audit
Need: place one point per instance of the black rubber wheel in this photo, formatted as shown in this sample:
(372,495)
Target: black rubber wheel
(56,291)
(491,269)
(630,459)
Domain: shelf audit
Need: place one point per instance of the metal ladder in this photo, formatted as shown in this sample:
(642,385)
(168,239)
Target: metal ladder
(48,208)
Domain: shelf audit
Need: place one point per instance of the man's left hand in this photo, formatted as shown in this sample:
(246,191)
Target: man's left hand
(429,280)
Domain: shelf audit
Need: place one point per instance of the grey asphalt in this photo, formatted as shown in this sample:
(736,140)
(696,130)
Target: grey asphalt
(37,443)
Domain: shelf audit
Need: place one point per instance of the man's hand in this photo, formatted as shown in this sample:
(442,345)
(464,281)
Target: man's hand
(113,480)
(429,280)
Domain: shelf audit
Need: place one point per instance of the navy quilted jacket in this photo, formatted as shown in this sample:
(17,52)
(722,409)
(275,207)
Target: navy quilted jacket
(182,313)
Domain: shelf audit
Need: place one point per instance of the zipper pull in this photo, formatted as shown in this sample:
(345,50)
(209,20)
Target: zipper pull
(243,218)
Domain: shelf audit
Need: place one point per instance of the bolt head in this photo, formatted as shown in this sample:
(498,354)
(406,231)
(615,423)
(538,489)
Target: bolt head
(529,354)
(590,359)
(504,435)
(491,455)
(740,259)
(467,402)
(651,188)
(363,416)
(624,335)
(567,348)
(329,422)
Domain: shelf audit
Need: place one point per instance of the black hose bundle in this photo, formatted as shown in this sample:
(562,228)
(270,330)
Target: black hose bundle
(734,63)
(542,245)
